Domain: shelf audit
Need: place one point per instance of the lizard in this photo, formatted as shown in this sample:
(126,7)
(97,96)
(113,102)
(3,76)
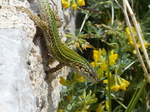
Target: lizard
(61,52)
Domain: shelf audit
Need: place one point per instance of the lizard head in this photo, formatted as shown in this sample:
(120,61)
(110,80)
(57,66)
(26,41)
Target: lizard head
(86,71)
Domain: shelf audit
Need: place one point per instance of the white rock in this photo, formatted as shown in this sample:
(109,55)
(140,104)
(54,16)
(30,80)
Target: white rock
(15,86)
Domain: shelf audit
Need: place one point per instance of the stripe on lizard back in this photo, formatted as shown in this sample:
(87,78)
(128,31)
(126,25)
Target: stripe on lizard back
(60,51)
(49,17)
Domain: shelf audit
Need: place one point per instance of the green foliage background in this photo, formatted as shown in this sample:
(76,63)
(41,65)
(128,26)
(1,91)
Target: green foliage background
(108,32)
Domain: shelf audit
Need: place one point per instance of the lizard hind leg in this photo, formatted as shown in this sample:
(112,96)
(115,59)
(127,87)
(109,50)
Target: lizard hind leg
(52,70)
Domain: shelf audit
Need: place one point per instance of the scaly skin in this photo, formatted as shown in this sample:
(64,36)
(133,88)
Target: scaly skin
(60,51)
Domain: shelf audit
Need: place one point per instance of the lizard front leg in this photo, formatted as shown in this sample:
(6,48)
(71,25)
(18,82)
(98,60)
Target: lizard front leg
(52,70)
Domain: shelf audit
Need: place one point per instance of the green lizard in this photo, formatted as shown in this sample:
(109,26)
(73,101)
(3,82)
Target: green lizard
(62,53)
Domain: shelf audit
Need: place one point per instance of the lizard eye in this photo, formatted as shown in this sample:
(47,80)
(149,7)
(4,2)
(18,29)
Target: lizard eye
(80,67)
(90,74)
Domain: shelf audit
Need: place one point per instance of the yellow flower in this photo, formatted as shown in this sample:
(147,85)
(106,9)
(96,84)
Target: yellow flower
(115,87)
(69,97)
(130,37)
(77,44)
(99,108)
(103,51)
(81,2)
(100,73)
(81,79)
(135,36)
(97,54)
(107,105)
(74,6)
(93,64)
(78,77)
(116,83)
(128,33)
(124,84)
(100,60)
(107,74)
(65,3)
(95,57)
(146,45)
(60,110)
(112,58)
(104,66)
(105,81)
(62,81)
(86,45)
